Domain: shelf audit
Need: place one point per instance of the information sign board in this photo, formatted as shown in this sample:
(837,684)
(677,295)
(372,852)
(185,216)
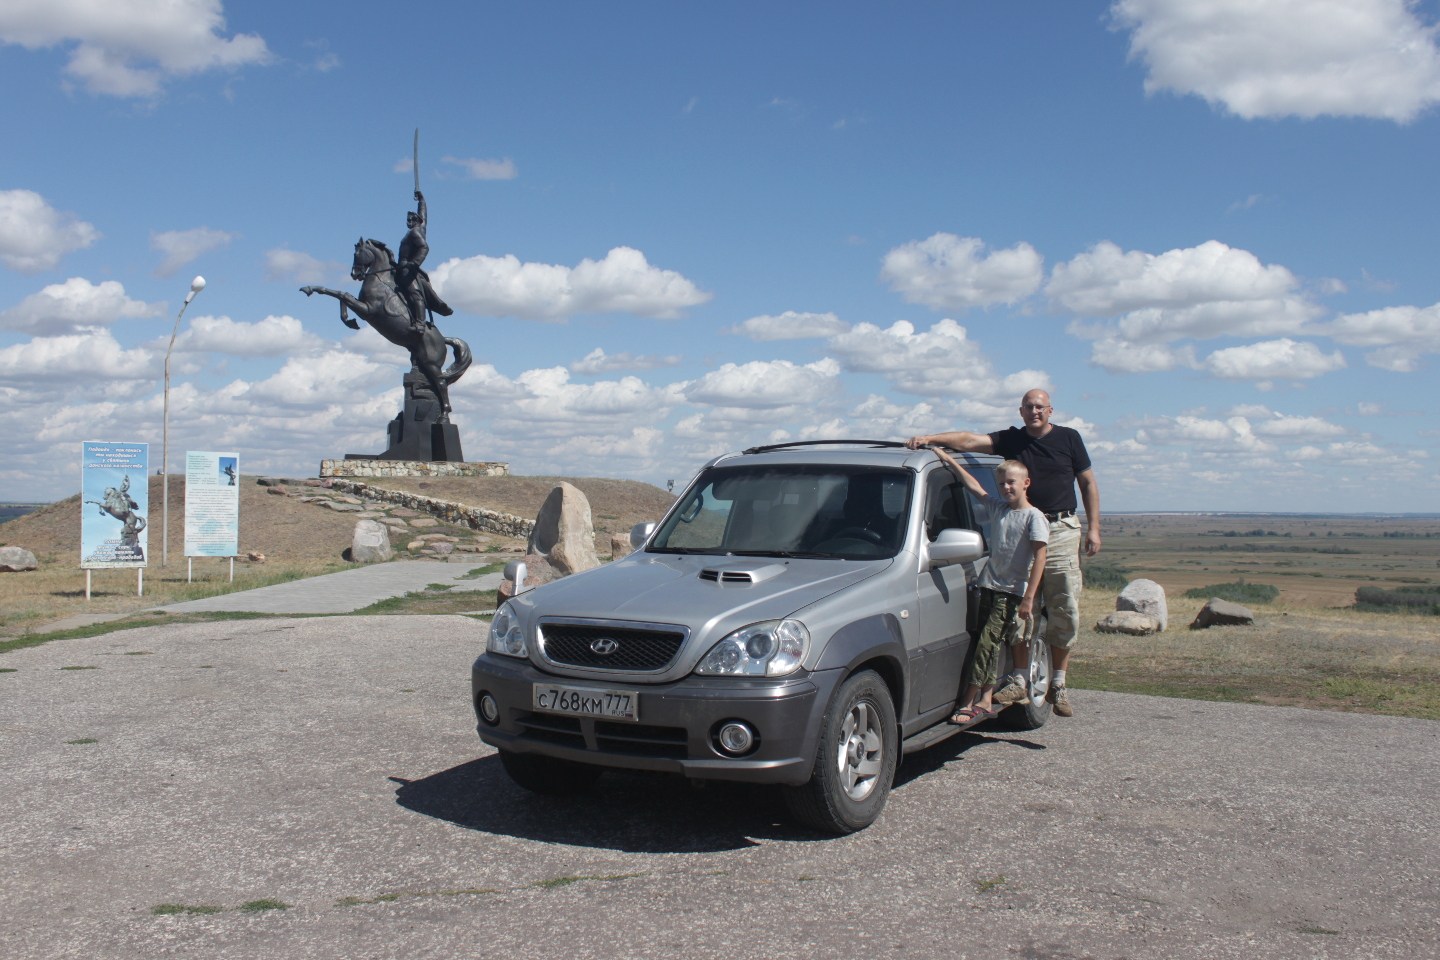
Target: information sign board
(212,504)
(115,495)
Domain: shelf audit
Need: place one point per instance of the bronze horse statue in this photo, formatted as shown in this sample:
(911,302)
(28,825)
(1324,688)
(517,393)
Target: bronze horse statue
(381,306)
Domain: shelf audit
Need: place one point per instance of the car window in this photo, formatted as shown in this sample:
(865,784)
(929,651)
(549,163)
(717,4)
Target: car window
(848,512)
(946,504)
(982,518)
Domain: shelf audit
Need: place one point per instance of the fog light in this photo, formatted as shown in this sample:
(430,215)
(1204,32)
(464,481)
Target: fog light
(489,709)
(736,738)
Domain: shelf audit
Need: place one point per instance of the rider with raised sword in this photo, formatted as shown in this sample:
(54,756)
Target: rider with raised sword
(412,282)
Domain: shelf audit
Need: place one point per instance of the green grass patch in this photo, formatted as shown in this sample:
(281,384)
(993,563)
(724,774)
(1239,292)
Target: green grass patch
(1332,933)
(357,901)
(80,668)
(1237,592)
(168,909)
(260,906)
(1424,601)
(482,571)
(82,740)
(554,883)
(1104,575)
(8,670)
(439,586)
(985,886)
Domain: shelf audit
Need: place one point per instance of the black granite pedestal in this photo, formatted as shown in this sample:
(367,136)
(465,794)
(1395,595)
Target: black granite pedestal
(417,432)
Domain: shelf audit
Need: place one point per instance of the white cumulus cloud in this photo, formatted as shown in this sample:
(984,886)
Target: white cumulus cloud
(1404,335)
(271,337)
(765,384)
(485,169)
(182,246)
(1282,359)
(73,305)
(127,48)
(598,361)
(946,272)
(1297,429)
(1117,355)
(34,235)
(940,362)
(623,282)
(296,266)
(1276,58)
(790,325)
(92,355)
(1205,291)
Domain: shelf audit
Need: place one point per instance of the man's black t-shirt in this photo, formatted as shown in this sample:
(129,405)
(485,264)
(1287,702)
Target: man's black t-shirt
(1053,460)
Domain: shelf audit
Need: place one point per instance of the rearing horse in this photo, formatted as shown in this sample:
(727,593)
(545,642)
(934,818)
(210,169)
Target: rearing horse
(384,309)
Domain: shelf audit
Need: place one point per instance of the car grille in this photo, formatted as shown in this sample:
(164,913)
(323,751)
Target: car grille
(563,731)
(573,644)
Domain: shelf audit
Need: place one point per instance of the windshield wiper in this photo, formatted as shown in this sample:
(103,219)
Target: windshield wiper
(789,554)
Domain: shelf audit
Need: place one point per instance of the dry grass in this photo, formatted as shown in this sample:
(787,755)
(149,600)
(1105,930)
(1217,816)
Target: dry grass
(1292,655)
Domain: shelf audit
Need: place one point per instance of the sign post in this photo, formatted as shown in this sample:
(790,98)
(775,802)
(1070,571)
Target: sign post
(212,506)
(114,478)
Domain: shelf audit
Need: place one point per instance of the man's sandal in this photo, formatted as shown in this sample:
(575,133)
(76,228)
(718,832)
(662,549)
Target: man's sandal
(968,715)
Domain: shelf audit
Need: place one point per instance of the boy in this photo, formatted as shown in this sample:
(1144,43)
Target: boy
(1010,581)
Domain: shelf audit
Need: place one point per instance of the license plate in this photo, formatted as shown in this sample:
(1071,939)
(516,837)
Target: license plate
(587,702)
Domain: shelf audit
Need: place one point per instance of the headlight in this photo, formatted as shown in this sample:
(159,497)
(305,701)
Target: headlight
(506,635)
(772,648)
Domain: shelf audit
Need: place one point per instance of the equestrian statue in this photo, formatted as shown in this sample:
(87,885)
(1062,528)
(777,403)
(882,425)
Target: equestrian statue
(397,300)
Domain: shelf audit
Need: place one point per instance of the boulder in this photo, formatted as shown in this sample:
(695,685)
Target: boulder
(424,522)
(1145,596)
(254,557)
(620,546)
(442,548)
(404,512)
(316,483)
(278,491)
(16,559)
(1217,612)
(564,533)
(1129,622)
(414,545)
(537,571)
(271,482)
(370,543)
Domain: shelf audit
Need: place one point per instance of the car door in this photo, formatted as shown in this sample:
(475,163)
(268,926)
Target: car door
(943,601)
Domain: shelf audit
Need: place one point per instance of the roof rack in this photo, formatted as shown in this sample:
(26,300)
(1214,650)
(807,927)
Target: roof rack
(815,443)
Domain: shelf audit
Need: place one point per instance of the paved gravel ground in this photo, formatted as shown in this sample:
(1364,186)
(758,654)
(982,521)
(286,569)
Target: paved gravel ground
(310,761)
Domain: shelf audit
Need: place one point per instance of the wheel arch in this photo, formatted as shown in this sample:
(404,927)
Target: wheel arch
(871,643)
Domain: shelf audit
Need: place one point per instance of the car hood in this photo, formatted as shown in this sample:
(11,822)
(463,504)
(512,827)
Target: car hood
(667,588)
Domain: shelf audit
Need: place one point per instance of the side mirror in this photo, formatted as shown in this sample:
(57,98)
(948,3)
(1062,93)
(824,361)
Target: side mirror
(639,534)
(515,572)
(956,546)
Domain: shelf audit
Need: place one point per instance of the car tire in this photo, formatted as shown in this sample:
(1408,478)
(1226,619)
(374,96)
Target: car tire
(550,776)
(1032,716)
(855,761)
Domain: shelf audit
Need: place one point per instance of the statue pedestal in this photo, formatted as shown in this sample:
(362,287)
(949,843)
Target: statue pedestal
(376,467)
(417,433)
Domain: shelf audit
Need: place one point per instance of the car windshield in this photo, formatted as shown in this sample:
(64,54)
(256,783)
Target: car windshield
(824,511)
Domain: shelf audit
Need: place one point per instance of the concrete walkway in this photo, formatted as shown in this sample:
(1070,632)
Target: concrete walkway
(345,591)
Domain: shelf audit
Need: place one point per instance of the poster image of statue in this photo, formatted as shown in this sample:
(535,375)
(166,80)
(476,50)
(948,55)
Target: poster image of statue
(229,473)
(115,502)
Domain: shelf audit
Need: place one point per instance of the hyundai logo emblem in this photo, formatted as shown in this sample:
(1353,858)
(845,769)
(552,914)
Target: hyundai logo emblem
(604,646)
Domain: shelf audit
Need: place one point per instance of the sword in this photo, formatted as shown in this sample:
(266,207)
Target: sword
(415,164)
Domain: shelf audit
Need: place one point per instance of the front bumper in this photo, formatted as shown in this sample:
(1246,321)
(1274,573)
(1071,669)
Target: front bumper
(677,722)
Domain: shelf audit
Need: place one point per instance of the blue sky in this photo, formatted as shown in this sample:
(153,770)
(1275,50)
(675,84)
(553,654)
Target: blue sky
(1208,226)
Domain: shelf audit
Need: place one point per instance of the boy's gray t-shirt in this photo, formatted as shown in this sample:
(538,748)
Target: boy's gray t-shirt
(1010,550)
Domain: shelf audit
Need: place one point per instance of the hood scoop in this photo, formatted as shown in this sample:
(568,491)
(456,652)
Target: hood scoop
(742,573)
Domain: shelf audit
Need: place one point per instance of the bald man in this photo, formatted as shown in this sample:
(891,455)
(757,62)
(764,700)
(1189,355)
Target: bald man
(1058,461)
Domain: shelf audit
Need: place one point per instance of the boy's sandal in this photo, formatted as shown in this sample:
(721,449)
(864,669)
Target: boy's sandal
(967,715)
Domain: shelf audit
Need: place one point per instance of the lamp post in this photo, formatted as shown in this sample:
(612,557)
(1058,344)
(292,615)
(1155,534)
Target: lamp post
(196,286)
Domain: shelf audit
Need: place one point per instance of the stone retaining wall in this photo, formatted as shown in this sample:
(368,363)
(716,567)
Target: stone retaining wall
(411,468)
(460,514)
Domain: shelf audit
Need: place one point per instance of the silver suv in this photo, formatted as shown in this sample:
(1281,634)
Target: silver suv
(802,616)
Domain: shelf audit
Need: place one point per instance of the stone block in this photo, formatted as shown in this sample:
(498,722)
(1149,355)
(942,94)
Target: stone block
(564,533)
(270,482)
(403,512)
(620,546)
(436,537)
(442,548)
(1147,597)
(414,545)
(424,522)
(1128,622)
(276,490)
(16,559)
(370,542)
(343,507)
(1219,613)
